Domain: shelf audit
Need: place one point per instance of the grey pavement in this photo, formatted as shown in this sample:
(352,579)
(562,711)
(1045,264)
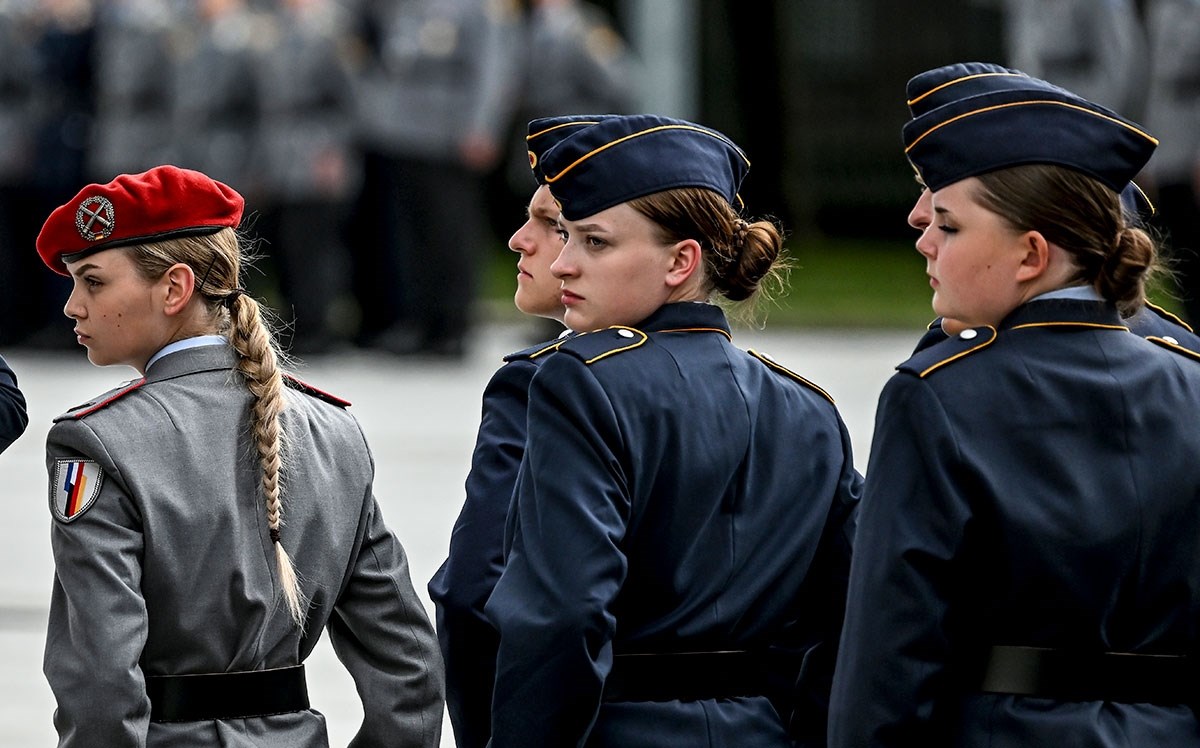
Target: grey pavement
(420,418)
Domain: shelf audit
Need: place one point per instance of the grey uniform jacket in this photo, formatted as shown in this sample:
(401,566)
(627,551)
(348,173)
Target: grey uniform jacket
(164,565)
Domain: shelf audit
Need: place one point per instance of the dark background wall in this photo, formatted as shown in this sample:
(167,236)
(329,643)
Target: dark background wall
(814,91)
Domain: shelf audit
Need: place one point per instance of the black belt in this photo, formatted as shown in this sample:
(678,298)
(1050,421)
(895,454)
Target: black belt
(252,693)
(687,676)
(1069,675)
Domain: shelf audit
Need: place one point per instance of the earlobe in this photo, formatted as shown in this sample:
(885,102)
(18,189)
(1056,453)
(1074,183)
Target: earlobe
(685,258)
(179,284)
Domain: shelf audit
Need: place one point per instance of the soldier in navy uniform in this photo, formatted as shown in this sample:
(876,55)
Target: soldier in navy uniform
(1027,568)
(13,418)
(214,517)
(462,585)
(679,542)
(952,82)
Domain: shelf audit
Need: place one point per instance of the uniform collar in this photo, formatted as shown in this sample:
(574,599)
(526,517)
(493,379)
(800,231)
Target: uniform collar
(189,360)
(179,345)
(686,316)
(1049,312)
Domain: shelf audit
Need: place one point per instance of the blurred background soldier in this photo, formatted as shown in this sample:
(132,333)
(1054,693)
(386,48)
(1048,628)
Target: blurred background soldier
(307,166)
(573,60)
(214,96)
(436,91)
(134,88)
(1173,115)
(1094,48)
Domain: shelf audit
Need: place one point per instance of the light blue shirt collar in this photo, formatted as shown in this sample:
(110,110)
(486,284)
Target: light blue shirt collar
(183,345)
(1082,293)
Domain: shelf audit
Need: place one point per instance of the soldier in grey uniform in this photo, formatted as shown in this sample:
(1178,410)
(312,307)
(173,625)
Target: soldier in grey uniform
(308,166)
(213,517)
(434,97)
(134,66)
(573,60)
(1094,48)
(213,97)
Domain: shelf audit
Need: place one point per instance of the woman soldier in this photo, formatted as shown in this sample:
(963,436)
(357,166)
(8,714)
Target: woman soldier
(213,517)
(664,573)
(940,86)
(462,585)
(1027,569)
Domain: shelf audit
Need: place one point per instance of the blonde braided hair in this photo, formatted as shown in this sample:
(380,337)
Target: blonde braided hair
(216,259)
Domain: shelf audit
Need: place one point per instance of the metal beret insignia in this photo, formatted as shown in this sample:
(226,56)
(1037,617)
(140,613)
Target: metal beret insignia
(75,488)
(95,218)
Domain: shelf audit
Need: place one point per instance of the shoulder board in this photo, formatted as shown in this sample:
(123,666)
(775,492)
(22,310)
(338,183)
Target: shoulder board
(770,362)
(928,360)
(308,389)
(99,403)
(1168,316)
(1172,344)
(595,346)
(534,351)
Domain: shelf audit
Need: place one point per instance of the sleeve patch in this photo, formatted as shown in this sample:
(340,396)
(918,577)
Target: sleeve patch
(75,487)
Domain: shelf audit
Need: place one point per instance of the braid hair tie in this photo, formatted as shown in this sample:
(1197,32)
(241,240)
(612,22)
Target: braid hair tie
(274,532)
(232,297)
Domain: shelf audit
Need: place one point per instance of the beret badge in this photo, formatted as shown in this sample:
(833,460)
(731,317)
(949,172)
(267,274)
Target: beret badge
(95,218)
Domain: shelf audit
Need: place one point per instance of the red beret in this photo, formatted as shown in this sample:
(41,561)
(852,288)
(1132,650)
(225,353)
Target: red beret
(162,203)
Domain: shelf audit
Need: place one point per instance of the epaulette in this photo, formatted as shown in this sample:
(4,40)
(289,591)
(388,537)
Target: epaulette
(99,403)
(1158,310)
(308,389)
(928,360)
(591,347)
(1172,344)
(541,349)
(773,366)
(1166,330)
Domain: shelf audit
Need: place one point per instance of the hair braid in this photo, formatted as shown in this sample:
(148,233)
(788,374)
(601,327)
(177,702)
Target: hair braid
(216,260)
(259,364)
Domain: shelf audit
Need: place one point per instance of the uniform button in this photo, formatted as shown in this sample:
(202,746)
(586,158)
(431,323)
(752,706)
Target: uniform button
(625,333)
(1170,340)
(968,334)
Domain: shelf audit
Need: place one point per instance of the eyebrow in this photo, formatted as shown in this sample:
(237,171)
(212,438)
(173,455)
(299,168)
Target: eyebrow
(84,268)
(591,227)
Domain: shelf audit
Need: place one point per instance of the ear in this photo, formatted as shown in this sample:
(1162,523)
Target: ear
(179,283)
(1035,256)
(685,258)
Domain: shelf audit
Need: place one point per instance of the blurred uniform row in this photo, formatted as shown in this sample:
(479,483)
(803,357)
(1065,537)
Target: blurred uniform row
(361,132)
(1141,58)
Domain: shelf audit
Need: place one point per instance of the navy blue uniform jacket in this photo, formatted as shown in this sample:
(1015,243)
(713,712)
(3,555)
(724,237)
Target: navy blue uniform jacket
(465,580)
(677,494)
(1035,486)
(13,418)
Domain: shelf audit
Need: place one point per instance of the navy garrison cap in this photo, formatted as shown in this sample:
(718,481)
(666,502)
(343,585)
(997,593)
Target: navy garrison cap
(972,118)
(547,132)
(630,156)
